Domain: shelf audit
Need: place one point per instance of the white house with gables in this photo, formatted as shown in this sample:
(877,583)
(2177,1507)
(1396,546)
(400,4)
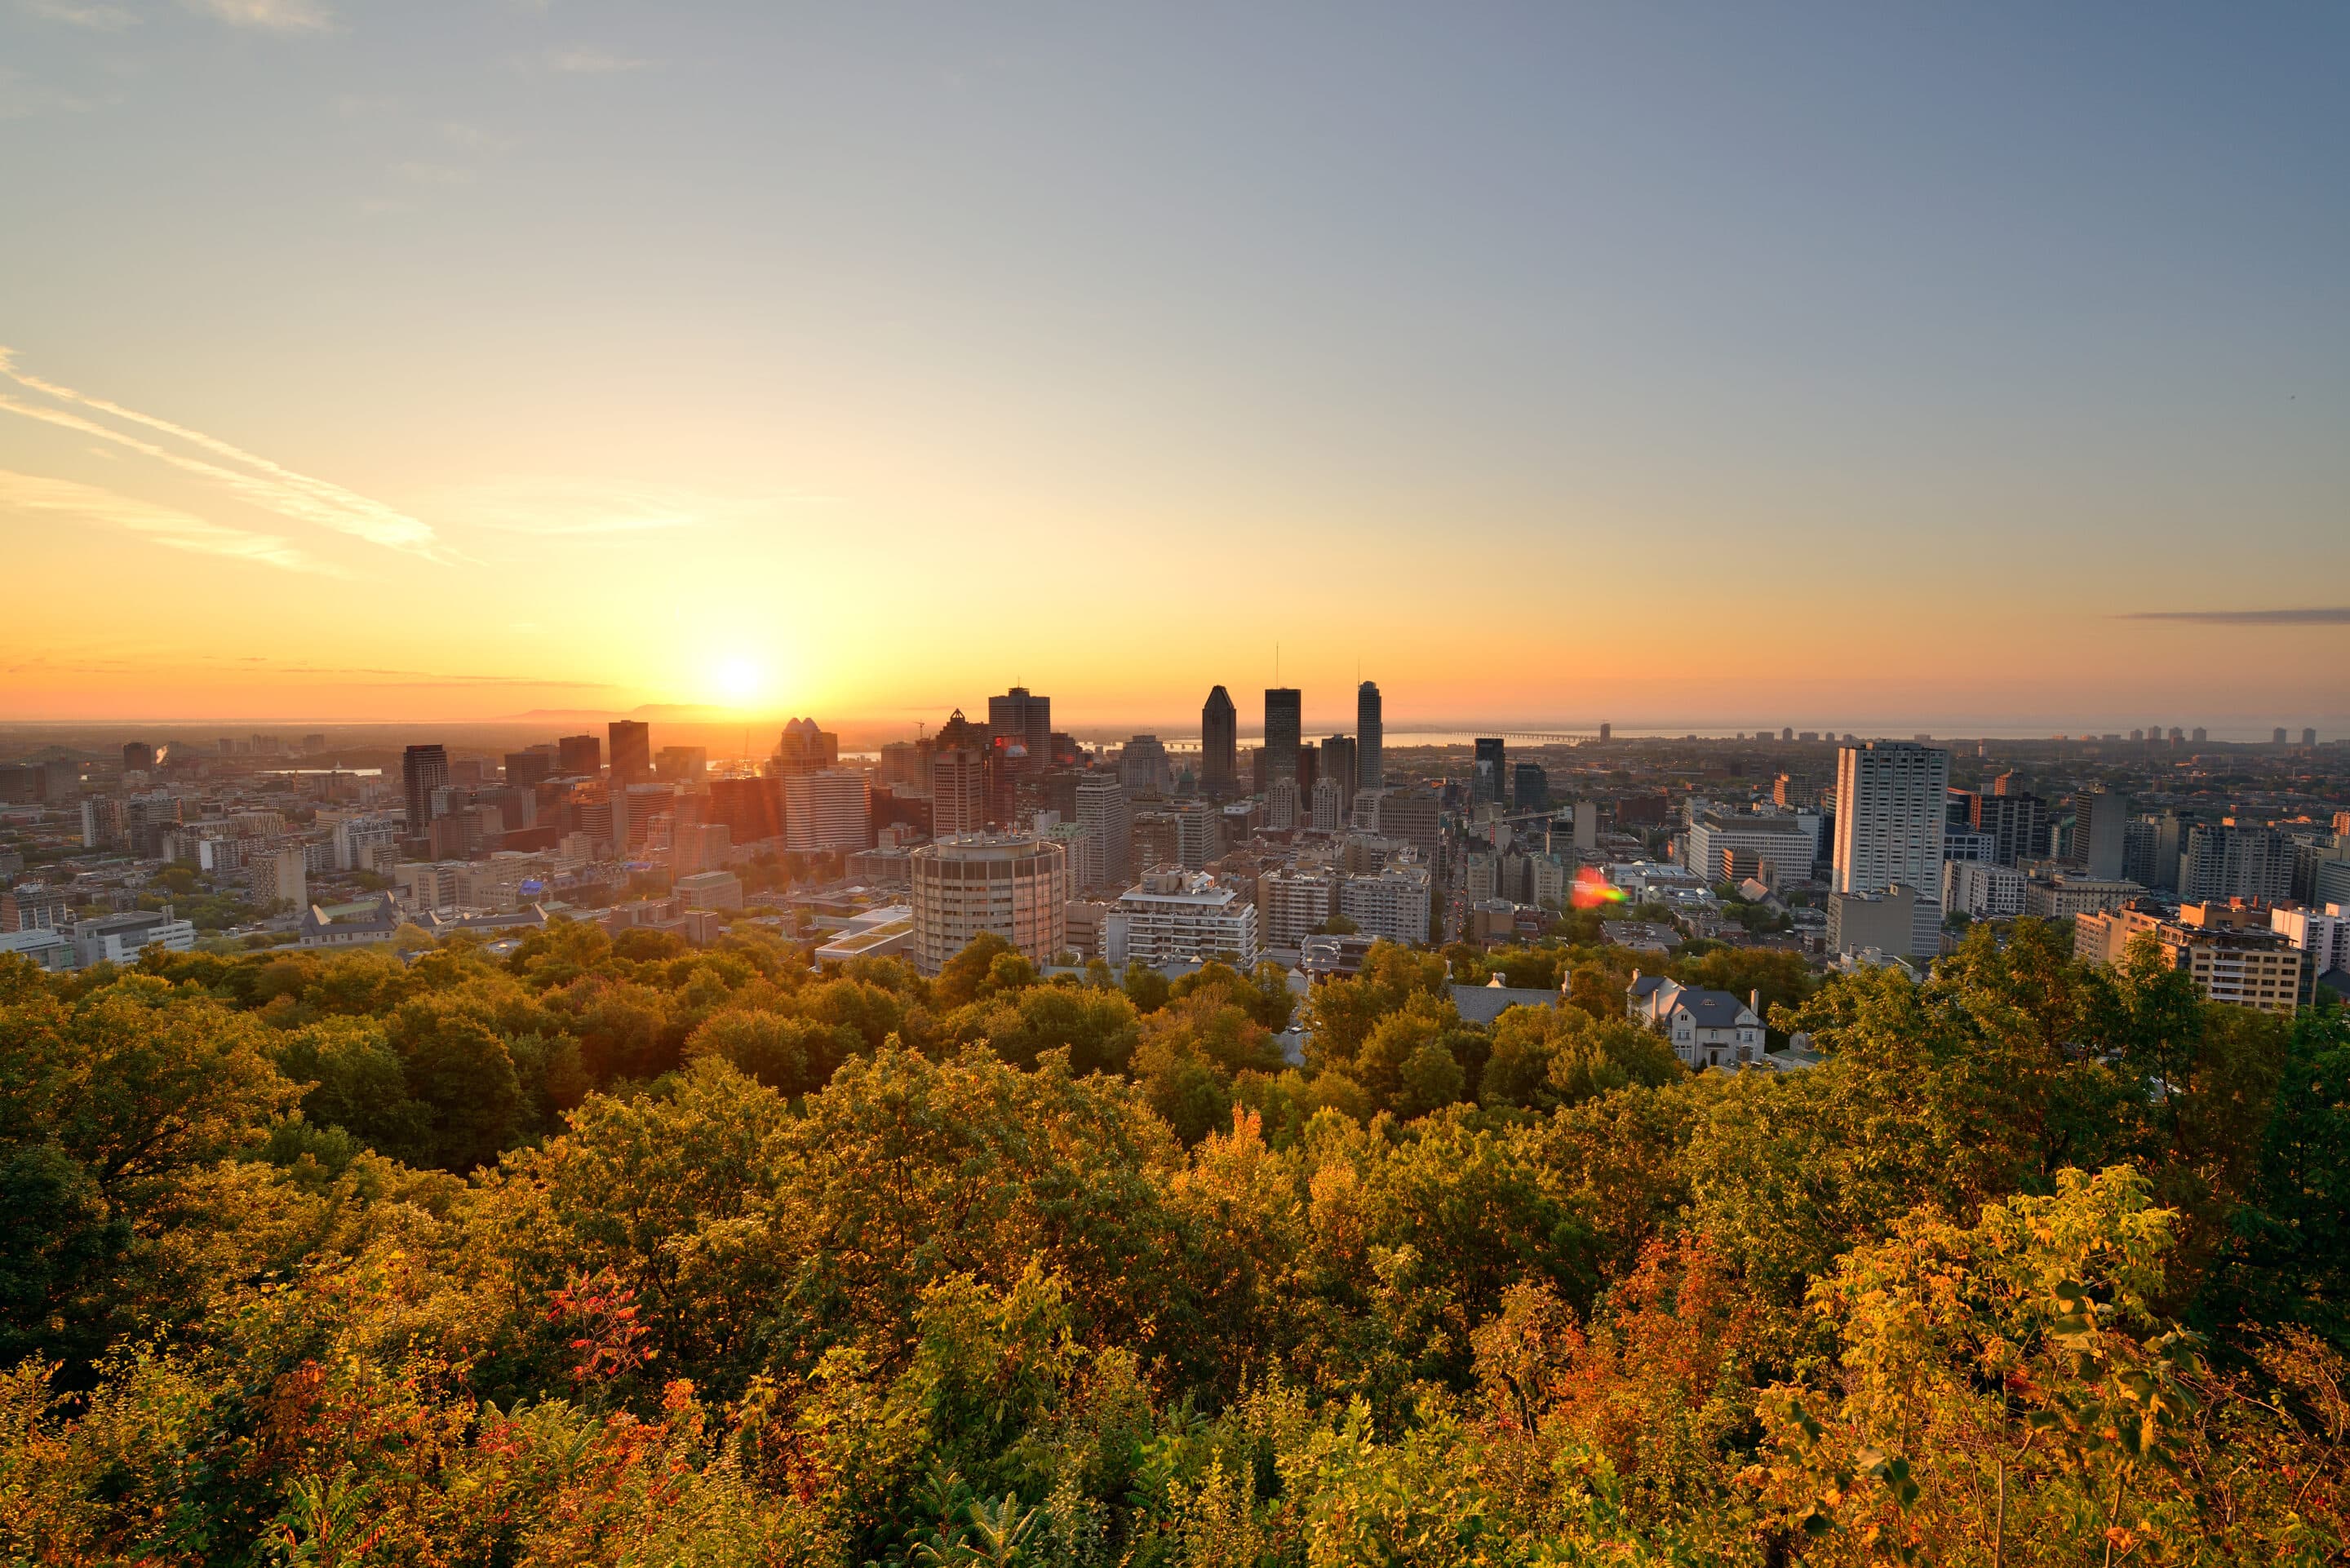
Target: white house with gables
(1707,1028)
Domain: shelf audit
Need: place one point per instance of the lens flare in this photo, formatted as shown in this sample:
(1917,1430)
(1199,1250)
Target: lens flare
(1591,889)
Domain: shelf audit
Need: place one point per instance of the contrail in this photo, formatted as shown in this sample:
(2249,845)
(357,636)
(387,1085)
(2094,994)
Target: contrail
(266,485)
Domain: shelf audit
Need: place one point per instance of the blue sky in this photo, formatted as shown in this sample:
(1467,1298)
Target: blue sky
(1636,326)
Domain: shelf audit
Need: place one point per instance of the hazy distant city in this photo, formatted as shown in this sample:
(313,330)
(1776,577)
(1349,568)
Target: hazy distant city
(1246,838)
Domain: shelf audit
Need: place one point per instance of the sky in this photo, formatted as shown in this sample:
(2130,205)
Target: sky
(1978,367)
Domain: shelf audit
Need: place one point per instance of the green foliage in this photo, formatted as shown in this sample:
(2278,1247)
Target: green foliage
(631,1253)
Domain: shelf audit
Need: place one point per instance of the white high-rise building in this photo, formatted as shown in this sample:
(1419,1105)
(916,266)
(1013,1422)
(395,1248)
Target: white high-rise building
(1394,904)
(830,809)
(1174,917)
(1014,885)
(1103,813)
(1890,808)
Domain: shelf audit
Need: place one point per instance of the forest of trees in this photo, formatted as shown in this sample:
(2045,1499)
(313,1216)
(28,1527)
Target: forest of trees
(621,1251)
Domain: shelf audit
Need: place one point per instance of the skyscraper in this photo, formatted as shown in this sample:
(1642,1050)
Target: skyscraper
(138,757)
(2098,836)
(1284,731)
(1890,813)
(579,756)
(1017,719)
(1341,763)
(1220,770)
(1103,813)
(1370,738)
(958,792)
(632,750)
(1492,777)
(422,770)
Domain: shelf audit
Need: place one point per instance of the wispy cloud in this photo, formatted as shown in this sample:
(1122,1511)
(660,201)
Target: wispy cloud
(2321,616)
(250,478)
(272,15)
(33,497)
(98,19)
(583,59)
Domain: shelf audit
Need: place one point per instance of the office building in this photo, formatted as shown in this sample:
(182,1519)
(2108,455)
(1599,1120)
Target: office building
(1775,848)
(1329,811)
(1172,916)
(1413,814)
(709,890)
(1489,782)
(138,757)
(1142,767)
(422,770)
(1198,833)
(1340,762)
(803,748)
(530,767)
(1154,840)
(1108,824)
(1529,788)
(958,792)
(2235,860)
(1015,885)
(1283,809)
(827,811)
(632,750)
(1219,769)
(1020,726)
(686,766)
(1393,904)
(2100,836)
(1370,738)
(2063,896)
(121,939)
(2017,823)
(1284,731)
(750,809)
(1982,889)
(1888,829)
(579,756)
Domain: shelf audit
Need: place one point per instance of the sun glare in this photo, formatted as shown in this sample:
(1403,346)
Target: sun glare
(738,681)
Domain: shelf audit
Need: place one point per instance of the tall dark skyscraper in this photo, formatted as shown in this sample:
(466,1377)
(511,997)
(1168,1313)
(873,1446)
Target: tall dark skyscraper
(1285,728)
(1491,778)
(1220,741)
(1370,736)
(632,750)
(1018,719)
(422,770)
(579,756)
(1341,760)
